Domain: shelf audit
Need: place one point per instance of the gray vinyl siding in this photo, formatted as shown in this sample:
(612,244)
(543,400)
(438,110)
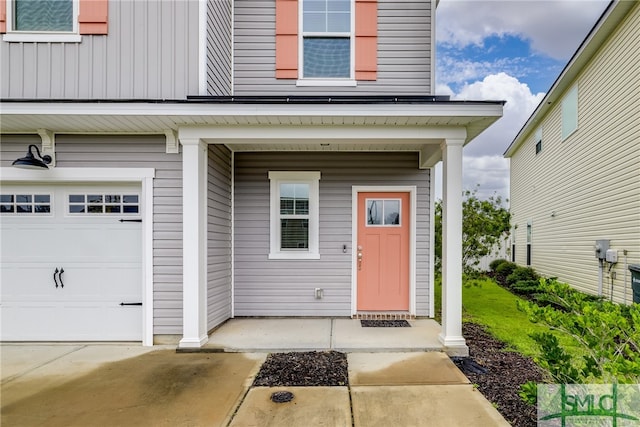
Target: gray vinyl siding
(587,186)
(133,152)
(265,287)
(219,47)
(219,236)
(151,52)
(404,52)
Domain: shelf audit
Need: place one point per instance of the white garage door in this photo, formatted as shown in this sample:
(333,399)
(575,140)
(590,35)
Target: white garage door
(71,262)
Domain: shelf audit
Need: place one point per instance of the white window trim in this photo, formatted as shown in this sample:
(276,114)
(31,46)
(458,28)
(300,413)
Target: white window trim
(41,36)
(313,180)
(326,82)
(568,94)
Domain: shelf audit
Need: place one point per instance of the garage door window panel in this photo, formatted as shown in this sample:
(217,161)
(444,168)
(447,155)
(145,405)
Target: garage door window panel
(106,204)
(21,204)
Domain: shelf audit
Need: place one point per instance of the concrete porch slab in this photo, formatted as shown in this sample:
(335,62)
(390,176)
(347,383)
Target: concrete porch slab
(423,405)
(272,335)
(413,368)
(350,336)
(311,406)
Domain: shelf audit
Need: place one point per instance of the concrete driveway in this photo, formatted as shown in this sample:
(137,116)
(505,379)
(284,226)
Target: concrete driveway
(129,385)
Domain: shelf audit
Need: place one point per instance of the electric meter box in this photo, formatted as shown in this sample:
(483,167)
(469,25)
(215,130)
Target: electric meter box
(635,282)
(601,248)
(611,256)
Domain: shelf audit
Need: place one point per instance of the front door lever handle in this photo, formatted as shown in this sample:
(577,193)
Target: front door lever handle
(54,277)
(60,277)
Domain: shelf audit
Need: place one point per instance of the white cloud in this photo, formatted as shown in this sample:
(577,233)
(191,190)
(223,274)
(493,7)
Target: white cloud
(483,161)
(520,104)
(554,27)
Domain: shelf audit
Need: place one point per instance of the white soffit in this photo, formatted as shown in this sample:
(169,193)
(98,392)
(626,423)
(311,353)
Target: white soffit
(127,118)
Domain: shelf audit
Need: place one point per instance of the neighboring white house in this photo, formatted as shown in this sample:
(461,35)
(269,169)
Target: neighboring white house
(575,165)
(224,158)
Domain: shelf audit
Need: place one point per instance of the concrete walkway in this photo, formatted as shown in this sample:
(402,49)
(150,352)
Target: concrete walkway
(130,385)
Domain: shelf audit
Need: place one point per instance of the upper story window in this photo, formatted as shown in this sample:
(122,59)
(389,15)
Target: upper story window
(570,112)
(326,42)
(538,139)
(326,39)
(52,20)
(43,15)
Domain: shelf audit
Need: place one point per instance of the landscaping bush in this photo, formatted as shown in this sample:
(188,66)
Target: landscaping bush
(520,274)
(526,287)
(493,266)
(608,335)
(504,270)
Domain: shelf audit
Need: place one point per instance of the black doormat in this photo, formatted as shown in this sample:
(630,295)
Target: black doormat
(385,324)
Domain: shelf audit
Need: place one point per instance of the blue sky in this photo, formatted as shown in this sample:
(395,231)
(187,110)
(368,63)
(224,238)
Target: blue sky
(509,50)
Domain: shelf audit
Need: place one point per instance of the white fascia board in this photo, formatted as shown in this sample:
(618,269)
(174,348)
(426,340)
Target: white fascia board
(268,110)
(72,174)
(301,133)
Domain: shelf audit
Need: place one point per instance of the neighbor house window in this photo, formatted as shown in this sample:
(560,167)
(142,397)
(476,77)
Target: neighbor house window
(326,39)
(570,112)
(529,231)
(294,218)
(538,139)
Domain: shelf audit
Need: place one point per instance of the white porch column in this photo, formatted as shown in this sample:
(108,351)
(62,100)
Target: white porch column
(451,335)
(194,240)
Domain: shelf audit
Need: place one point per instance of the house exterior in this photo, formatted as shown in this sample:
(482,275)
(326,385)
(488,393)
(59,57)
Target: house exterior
(575,174)
(215,159)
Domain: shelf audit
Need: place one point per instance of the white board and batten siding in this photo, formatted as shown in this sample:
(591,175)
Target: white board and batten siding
(150,52)
(134,152)
(219,274)
(266,287)
(587,186)
(404,52)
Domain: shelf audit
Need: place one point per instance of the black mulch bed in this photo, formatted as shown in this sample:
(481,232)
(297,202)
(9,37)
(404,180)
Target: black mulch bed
(385,324)
(505,372)
(311,368)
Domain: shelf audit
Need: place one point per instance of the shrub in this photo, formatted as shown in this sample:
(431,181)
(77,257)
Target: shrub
(520,274)
(493,266)
(608,336)
(504,270)
(526,287)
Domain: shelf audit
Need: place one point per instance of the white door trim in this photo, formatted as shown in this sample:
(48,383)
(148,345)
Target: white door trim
(144,176)
(412,190)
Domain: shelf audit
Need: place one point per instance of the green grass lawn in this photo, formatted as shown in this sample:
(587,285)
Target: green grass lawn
(487,304)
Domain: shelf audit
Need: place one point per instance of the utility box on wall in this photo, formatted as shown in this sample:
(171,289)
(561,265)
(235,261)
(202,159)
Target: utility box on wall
(601,248)
(635,282)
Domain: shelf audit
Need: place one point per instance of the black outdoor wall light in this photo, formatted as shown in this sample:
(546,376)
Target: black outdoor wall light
(31,162)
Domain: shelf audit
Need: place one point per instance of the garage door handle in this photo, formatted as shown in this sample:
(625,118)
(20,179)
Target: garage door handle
(54,277)
(130,303)
(60,277)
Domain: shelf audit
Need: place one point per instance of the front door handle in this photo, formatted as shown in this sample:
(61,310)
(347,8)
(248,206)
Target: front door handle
(359,260)
(54,277)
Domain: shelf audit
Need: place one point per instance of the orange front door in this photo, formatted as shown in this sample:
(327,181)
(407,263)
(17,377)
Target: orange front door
(382,254)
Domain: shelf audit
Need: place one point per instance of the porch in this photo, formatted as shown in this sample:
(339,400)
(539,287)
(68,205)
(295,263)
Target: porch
(320,334)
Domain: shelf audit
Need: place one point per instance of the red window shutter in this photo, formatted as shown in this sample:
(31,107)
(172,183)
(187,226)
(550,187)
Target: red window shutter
(94,16)
(3,16)
(366,39)
(286,39)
